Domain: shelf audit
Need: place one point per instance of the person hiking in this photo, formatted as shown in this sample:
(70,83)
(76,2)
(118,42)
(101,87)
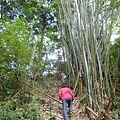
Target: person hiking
(66,96)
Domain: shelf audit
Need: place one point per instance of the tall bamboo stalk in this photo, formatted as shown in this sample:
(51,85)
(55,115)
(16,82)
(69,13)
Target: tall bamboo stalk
(84,27)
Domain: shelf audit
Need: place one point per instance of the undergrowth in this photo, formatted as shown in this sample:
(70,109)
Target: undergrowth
(14,110)
(27,105)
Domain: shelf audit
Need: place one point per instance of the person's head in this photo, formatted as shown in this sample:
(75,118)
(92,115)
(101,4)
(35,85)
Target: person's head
(63,85)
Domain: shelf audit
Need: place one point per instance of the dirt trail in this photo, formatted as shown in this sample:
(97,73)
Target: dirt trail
(78,112)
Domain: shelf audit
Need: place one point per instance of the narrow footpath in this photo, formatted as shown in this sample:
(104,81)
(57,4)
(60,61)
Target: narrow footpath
(54,106)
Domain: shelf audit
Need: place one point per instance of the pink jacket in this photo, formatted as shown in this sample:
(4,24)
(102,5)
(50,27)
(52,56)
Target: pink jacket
(65,93)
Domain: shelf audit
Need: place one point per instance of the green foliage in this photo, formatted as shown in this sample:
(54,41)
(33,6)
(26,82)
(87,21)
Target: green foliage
(13,110)
(50,116)
(115,71)
(15,54)
(117,111)
(115,53)
(115,61)
(38,13)
(16,44)
(21,54)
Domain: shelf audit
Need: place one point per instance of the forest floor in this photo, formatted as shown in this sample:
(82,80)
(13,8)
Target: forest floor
(54,107)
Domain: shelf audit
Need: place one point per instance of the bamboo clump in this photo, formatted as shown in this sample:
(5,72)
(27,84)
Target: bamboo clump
(83,26)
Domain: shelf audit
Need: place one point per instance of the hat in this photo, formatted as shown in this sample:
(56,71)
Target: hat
(64,85)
